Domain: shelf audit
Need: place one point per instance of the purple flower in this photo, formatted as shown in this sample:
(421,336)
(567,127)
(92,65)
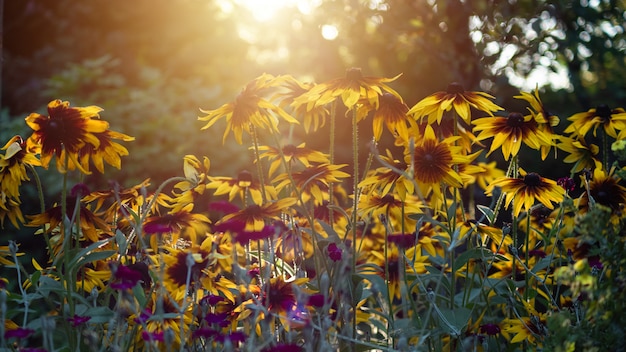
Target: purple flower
(78,320)
(402,240)
(244,237)
(283,347)
(156,227)
(143,317)
(334,252)
(79,190)
(211,300)
(490,329)
(223,207)
(152,336)
(125,277)
(567,183)
(231,225)
(317,300)
(20,333)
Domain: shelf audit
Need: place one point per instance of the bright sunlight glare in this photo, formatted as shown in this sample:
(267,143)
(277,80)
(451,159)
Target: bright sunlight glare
(265,10)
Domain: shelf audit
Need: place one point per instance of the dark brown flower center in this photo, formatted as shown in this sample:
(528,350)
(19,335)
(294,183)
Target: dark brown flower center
(289,149)
(604,112)
(245,176)
(388,199)
(515,119)
(354,73)
(388,98)
(532,179)
(455,88)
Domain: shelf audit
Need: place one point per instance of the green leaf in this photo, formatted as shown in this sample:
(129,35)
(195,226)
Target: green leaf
(81,257)
(474,253)
(91,257)
(487,212)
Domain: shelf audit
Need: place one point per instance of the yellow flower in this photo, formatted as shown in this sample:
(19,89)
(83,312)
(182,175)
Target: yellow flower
(526,190)
(455,97)
(92,226)
(13,166)
(433,160)
(351,88)
(488,173)
(583,156)
(604,189)
(106,151)
(612,120)
(387,180)
(532,328)
(255,216)
(244,186)
(196,174)
(509,132)
(313,182)
(64,132)
(545,120)
(10,207)
(249,110)
(291,153)
(389,206)
(313,118)
(392,112)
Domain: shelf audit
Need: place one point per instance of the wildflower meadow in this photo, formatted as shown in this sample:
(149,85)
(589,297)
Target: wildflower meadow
(436,236)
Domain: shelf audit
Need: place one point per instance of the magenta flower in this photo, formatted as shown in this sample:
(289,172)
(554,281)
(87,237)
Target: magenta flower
(78,320)
(490,329)
(19,333)
(334,252)
(125,277)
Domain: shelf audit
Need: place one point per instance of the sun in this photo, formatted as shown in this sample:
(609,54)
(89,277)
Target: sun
(266,10)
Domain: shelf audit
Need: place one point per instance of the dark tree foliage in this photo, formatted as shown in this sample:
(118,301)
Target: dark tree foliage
(152,63)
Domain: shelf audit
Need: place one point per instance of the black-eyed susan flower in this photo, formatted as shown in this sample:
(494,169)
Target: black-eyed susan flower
(249,110)
(510,132)
(244,186)
(433,160)
(292,245)
(393,267)
(184,264)
(545,120)
(107,151)
(611,120)
(489,172)
(13,166)
(387,179)
(10,208)
(351,88)
(525,191)
(280,296)
(532,328)
(291,153)
(455,97)
(65,131)
(181,224)
(163,315)
(604,188)
(91,225)
(314,181)
(7,252)
(188,191)
(255,216)
(313,118)
(389,206)
(583,156)
(391,112)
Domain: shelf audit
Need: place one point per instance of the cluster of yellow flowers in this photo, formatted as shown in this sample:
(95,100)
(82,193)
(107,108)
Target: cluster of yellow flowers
(289,257)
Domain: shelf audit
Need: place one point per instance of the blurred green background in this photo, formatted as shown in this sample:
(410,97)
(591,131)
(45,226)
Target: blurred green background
(151,64)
